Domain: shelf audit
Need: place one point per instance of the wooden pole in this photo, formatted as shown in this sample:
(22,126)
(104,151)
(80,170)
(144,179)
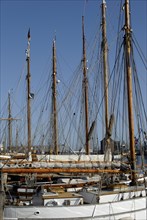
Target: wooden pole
(9,123)
(2,197)
(58,170)
(105,63)
(54,94)
(85,81)
(29,97)
(127,38)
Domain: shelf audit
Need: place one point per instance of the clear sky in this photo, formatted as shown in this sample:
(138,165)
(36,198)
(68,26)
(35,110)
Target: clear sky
(60,18)
(47,18)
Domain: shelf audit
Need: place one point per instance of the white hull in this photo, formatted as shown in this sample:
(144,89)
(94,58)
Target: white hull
(135,208)
(91,197)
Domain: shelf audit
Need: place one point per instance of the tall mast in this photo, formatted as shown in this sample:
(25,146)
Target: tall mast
(28,77)
(9,119)
(85,81)
(54,96)
(17,139)
(9,123)
(2,196)
(105,63)
(127,38)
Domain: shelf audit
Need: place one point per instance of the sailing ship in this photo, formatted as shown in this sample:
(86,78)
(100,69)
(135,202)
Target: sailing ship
(77,186)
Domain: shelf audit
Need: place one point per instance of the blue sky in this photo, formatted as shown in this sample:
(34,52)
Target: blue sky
(48,18)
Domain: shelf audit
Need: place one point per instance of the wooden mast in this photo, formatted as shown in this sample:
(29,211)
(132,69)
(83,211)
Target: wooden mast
(105,63)
(127,42)
(9,123)
(108,122)
(17,138)
(54,94)
(9,119)
(2,196)
(85,81)
(28,77)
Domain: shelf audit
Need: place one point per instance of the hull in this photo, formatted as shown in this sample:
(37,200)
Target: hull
(135,208)
(91,196)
